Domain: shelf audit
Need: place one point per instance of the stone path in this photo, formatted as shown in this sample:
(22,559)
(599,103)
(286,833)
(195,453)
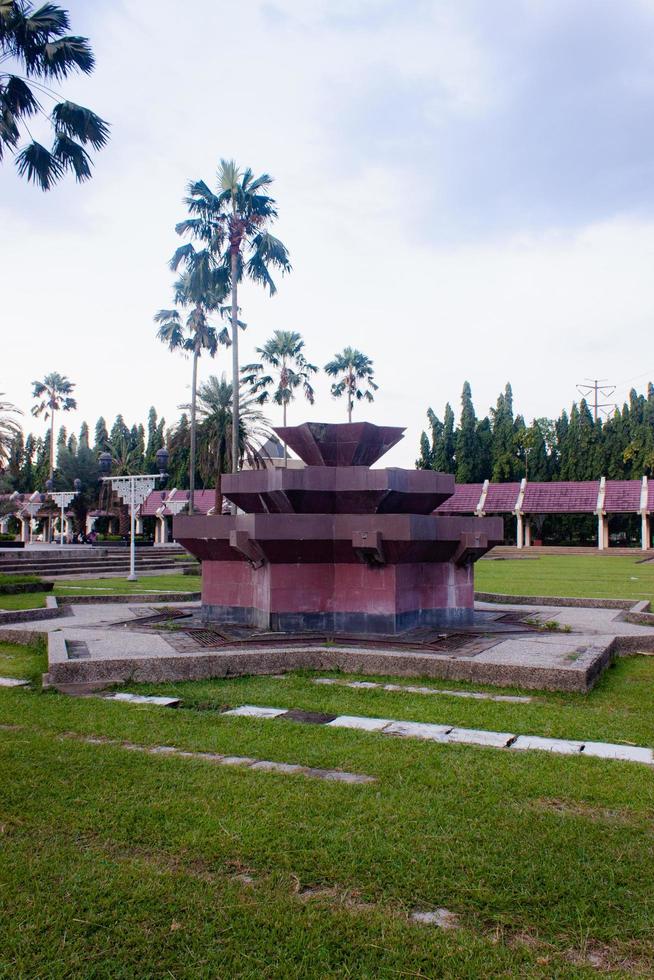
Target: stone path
(258,765)
(408,689)
(13,682)
(449,734)
(538,660)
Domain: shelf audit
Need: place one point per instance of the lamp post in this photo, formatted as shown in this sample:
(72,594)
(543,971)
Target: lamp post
(62,498)
(133,490)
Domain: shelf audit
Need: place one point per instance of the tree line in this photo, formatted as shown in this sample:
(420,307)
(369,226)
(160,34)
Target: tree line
(501,447)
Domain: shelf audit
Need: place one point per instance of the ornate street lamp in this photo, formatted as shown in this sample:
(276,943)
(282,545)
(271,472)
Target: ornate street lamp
(133,491)
(61,498)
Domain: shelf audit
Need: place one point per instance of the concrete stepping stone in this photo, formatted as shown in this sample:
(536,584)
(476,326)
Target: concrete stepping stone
(414,729)
(13,682)
(255,711)
(363,724)
(626,753)
(411,689)
(258,765)
(163,702)
(559,745)
(475,736)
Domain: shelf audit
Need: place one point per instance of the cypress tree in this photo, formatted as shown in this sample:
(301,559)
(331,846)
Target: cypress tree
(466,442)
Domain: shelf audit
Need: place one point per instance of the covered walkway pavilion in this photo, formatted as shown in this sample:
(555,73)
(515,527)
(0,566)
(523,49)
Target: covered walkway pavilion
(602,498)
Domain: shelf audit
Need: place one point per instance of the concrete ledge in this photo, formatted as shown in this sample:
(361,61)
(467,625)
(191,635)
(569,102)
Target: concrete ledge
(33,615)
(96,600)
(362,661)
(548,600)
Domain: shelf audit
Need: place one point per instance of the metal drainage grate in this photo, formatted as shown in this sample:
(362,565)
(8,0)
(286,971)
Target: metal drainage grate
(206,638)
(77,650)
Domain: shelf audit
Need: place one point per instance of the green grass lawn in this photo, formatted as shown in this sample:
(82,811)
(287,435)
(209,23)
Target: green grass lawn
(118,864)
(24,600)
(120,586)
(609,577)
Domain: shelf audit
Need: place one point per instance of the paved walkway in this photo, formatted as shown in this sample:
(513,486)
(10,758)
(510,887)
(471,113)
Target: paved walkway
(104,643)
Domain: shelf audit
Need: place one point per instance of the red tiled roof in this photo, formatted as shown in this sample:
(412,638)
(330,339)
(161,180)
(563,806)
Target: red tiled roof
(622,496)
(464,500)
(501,498)
(561,498)
(203,500)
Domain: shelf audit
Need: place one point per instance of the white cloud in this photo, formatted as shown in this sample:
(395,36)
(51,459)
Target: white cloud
(86,268)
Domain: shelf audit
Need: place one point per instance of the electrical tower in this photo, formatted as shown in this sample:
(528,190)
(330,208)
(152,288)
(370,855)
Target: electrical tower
(598,387)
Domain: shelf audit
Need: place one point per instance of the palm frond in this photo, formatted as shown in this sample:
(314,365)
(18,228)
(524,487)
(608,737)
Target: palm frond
(80,124)
(39,166)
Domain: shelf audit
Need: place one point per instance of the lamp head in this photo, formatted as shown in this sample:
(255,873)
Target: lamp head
(104,462)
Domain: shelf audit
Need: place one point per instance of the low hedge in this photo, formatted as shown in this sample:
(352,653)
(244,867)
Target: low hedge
(19,584)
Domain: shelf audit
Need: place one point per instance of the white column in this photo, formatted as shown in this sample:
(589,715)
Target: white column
(645,533)
(602,532)
(519,533)
(139,525)
(25,529)
(527,533)
(132,544)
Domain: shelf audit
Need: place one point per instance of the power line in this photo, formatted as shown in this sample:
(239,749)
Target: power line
(597,387)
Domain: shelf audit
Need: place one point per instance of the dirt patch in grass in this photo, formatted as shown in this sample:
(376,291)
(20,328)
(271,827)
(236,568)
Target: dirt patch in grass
(585,810)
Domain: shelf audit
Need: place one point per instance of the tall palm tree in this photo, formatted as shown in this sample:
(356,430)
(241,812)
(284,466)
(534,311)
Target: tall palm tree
(35,41)
(215,430)
(284,352)
(202,286)
(9,428)
(55,394)
(234,225)
(351,366)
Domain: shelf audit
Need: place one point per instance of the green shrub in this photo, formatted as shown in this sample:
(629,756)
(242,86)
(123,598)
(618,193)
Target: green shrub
(17,584)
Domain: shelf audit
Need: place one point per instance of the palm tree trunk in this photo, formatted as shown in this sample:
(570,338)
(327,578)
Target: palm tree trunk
(191,465)
(349,394)
(235,372)
(218,499)
(52,415)
(285,446)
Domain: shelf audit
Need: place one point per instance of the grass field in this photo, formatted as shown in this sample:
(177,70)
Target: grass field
(24,600)
(120,864)
(609,577)
(120,586)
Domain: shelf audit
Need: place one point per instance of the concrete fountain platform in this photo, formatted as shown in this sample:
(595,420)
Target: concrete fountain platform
(99,645)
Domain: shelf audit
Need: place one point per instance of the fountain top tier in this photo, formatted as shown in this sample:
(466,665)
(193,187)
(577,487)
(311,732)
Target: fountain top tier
(340,444)
(337,478)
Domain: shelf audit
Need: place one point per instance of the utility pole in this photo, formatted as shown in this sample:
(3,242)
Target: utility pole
(598,387)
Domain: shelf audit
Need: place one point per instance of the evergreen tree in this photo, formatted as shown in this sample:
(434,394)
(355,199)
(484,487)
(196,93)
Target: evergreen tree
(466,441)
(15,460)
(503,454)
(83,436)
(101,437)
(26,481)
(444,461)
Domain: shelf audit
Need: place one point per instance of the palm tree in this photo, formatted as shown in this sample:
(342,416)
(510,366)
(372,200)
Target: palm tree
(284,352)
(201,286)
(54,392)
(9,428)
(215,430)
(238,216)
(351,366)
(37,42)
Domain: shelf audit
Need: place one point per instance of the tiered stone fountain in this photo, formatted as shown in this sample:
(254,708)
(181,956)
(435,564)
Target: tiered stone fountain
(337,546)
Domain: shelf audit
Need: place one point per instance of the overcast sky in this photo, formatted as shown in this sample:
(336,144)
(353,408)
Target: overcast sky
(465,187)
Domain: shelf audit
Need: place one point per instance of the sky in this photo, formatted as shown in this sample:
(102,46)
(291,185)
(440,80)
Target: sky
(466,190)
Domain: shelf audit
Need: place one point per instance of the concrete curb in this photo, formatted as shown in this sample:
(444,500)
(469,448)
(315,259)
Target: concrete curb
(97,600)
(237,663)
(52,610)
(548,600)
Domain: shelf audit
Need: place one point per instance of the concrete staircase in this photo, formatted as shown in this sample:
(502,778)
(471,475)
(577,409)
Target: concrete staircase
(86,562)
